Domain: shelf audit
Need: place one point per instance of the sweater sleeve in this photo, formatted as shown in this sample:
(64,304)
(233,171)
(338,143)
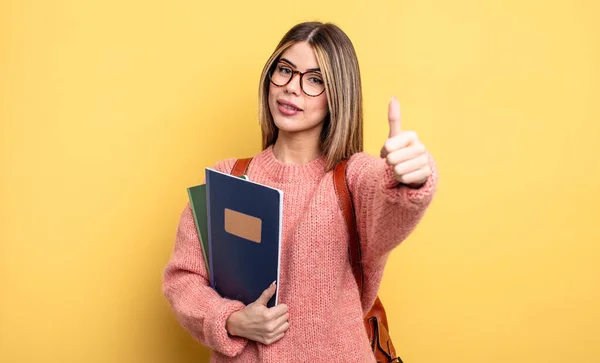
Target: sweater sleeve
(386,210)
(198,308)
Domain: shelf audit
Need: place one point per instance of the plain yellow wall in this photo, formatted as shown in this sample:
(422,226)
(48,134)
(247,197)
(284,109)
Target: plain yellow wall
(110,109)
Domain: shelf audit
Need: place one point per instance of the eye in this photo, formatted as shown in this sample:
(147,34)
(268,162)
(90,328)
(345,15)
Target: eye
(283,69)
(315,79)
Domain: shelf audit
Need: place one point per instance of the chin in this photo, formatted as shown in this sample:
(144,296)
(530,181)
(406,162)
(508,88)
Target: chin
(286,124)
(296,127)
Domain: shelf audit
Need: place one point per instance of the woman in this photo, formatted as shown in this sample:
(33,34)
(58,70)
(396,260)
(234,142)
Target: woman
(311,118)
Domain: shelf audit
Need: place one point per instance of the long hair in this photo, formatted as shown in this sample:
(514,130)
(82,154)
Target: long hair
(342,133)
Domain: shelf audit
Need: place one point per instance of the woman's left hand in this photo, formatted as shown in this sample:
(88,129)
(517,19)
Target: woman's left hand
(404,152)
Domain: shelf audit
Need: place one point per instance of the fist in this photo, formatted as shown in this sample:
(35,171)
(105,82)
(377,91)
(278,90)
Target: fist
(259,323)
(404,152)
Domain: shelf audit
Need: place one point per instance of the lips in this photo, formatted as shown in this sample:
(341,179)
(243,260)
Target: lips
(289,105)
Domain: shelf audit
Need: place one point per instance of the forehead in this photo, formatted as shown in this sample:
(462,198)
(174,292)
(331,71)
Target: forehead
(302,55)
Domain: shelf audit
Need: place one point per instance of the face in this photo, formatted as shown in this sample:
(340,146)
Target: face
(294,111)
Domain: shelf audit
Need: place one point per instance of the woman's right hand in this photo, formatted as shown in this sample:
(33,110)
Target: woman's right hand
(259,323)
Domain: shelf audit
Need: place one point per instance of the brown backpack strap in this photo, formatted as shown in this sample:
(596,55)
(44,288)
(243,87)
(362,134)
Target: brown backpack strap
(240,167)
(345,200)
(376,322)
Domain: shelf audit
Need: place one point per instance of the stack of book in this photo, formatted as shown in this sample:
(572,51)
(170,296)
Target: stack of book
(239,225)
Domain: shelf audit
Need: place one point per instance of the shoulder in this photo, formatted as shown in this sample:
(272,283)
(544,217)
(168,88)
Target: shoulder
(225,165)
(362,163)
(368,171)
(362,158)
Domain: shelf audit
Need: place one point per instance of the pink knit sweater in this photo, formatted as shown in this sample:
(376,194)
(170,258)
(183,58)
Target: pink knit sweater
(316,281)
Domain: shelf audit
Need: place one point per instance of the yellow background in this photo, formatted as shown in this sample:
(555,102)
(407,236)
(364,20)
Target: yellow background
(110,109)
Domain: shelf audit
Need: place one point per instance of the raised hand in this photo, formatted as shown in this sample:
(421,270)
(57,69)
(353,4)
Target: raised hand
(404,152)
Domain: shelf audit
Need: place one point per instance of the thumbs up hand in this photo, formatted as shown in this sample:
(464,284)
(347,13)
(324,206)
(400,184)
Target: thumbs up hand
(259,323)
(404,152)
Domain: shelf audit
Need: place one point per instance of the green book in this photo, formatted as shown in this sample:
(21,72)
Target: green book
(197,196)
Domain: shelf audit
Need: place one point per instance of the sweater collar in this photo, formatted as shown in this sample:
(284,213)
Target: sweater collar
(280,171)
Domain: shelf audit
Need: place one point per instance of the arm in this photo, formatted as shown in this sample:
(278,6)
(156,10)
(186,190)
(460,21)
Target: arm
(391,194)
(198,308)
(387,211)
(221,324)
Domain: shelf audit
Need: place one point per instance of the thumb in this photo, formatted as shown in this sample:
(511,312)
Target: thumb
(264,298)
(394,117)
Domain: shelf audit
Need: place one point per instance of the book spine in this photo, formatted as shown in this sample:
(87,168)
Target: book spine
(209,225)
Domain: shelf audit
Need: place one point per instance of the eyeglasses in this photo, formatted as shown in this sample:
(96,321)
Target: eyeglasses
(283,73)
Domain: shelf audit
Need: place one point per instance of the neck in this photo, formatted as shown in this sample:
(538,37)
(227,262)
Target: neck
(294,150)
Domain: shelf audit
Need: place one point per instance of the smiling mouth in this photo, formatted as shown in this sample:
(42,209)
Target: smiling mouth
(288,107)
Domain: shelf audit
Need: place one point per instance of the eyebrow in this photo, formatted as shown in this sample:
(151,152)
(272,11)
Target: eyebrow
(293,65)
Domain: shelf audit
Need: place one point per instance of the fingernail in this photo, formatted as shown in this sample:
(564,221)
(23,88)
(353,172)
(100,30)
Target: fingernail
(274,283)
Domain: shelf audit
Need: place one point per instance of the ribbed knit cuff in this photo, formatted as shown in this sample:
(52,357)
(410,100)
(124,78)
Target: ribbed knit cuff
(217,334)
(398,191)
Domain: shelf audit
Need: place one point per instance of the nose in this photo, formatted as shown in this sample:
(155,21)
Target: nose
(293,85)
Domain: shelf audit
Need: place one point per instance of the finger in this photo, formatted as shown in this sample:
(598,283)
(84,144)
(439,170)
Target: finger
(394,117)
(269,341)
(411,165)
(282,328)
(279,322)
(277,311)
(416,177)
(404,139)
(264,298)
(275,328)
(406,153)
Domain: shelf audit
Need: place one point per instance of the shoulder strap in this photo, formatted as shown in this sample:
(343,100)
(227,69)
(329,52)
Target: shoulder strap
(345,200)
(240,167)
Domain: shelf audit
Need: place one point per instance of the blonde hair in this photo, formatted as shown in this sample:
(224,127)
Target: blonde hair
(342,133)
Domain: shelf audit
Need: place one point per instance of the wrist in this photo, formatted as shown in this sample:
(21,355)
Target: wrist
(232,323)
